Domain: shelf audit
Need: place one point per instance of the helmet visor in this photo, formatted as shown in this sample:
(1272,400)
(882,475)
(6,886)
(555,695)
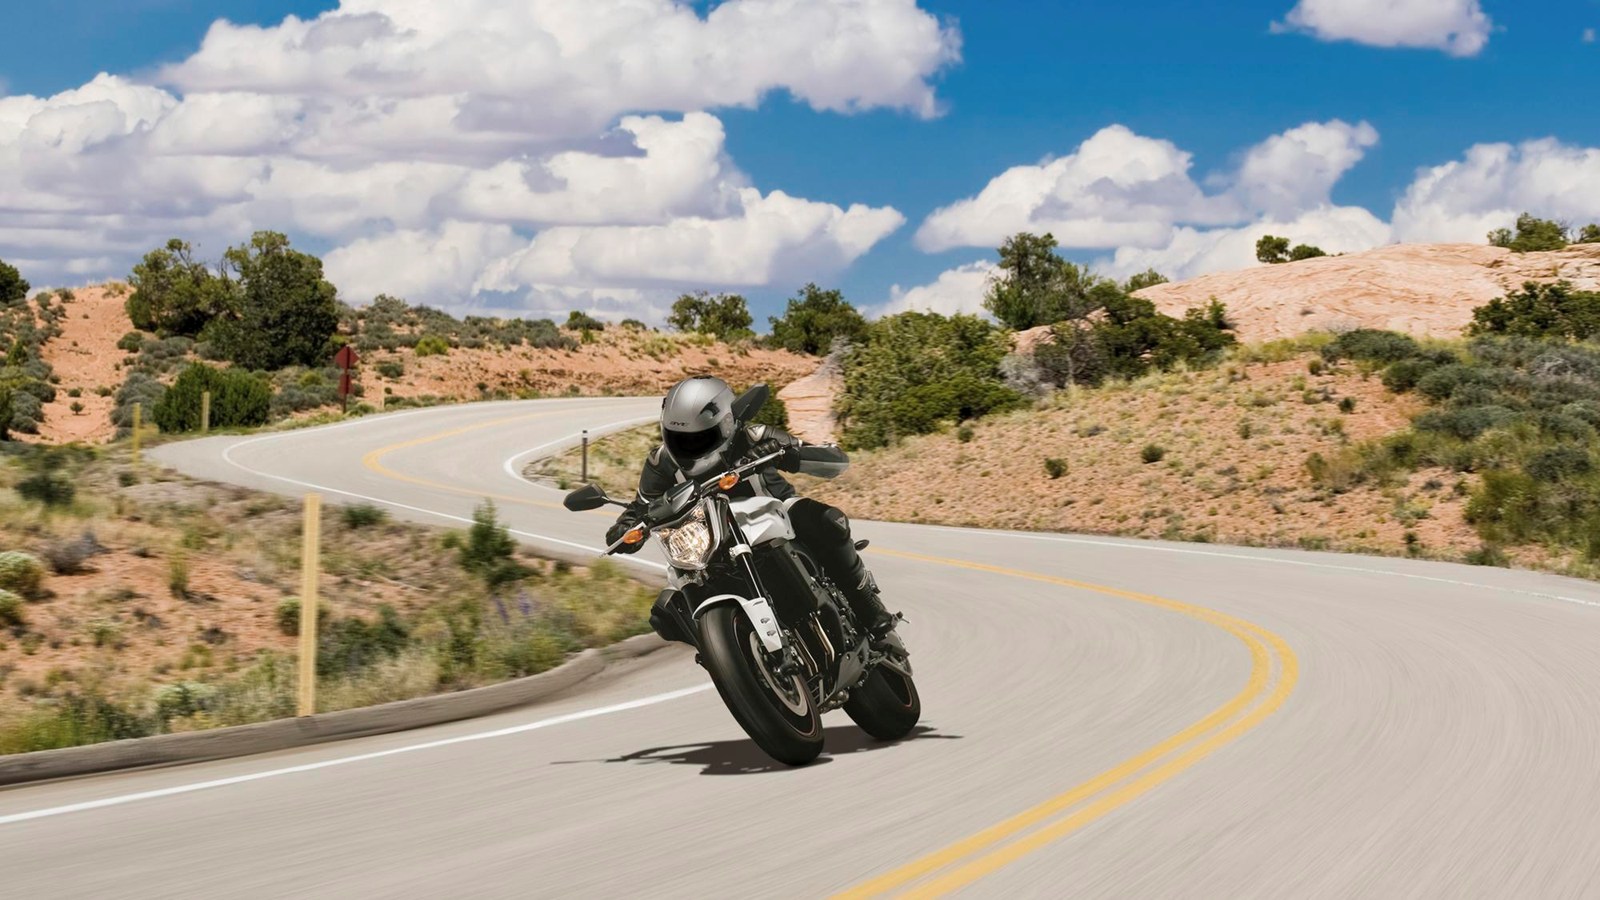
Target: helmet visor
(688,446)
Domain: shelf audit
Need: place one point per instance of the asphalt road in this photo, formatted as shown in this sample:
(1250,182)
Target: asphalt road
(1102,718)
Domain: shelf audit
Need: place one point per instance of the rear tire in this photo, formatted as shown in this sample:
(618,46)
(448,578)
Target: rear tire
(887,707)
(780,716)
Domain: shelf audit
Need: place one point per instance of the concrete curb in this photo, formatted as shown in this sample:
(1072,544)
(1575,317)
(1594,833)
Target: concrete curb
(284,734)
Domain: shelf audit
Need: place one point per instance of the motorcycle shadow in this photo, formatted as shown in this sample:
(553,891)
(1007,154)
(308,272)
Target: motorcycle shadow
(743,757)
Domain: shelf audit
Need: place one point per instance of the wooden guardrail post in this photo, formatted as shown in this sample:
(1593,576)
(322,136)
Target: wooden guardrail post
(205,411)
(309,569)
(584,477)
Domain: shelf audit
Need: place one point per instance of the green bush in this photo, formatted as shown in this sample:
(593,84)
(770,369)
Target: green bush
(814,319)
(238,399)
(432,345)
(391,368)
(1371,345)
(488,550)
(347,645)
(21,573)
(722,316)
(1559,464)
(13,287)
(142,389)
(916,371)
(1055,467)
(13,612)
(362,515)
(582,321)
(1541,310)
(1531,234)
(74,720)
(1152,453)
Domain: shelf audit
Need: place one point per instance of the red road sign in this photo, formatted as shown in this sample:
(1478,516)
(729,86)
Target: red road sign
(346,357)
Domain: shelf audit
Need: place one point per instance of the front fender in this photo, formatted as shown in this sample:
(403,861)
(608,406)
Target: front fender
(757,610)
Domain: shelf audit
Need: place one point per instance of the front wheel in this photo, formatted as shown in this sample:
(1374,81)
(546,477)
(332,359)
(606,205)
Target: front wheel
(887,706)
(777,712)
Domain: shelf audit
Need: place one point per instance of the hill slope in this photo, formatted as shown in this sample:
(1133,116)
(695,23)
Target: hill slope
(1421,289)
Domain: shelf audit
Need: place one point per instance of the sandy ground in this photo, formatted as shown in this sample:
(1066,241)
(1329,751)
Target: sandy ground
(85,357)
(1235,442)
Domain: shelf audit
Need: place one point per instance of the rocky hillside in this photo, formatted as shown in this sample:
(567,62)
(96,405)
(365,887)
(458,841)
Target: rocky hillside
(1420,289)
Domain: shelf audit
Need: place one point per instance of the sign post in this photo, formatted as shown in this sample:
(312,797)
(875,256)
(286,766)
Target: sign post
(309,567)
(346,360)
(205,412)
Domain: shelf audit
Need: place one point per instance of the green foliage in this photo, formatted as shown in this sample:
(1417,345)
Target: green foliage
(488,551)
(13,287)
(1055,467)
(582,321)
(774,412)
(964,434)
(46,483)
(1037,287)
(432,345)
(238,399)
(140,388)
(1305,251)
(362,515)
(76,719)
(21,573)
(916,371)
(1541,310)
(813,319)
(1532,233)
(346,645)
(1272,249)
(1589,234)
(13,612)
(175,294)
(1147,278)
(1133,338)
(283,312)
(1152,453)
(1371,345)
(390,368)
(635,325)
(724,316)
(1347,405)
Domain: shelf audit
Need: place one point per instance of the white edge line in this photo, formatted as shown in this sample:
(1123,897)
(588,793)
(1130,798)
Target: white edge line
(346,760)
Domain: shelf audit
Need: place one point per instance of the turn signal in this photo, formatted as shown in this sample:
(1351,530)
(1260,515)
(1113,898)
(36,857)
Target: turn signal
(727,481)
(634,535)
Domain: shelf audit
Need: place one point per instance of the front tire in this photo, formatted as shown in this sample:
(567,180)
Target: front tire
(779,714)
(887,706)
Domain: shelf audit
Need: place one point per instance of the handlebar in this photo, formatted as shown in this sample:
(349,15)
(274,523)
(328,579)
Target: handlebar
(702,489)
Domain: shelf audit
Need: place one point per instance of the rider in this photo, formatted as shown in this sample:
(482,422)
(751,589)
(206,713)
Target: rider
(701,436)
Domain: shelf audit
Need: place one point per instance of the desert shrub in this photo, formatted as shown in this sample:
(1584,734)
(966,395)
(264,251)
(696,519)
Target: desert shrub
(238,399)
(362,515)
(488,550)
(346,645)
(68,557)
(813,319)
(634,325)
(1371,345)
(286,615)
(582,321)
(916,371)
(1152,453)
(964,434)
(432,345)
(13,287)
(281,310)
(74,720)
(132,342)
(1531,234)
(1347,405)
(1541,310)
(722,316)
(46,482)
(1558,464)
(13,611)
(21,573)
(140,388)
(390,368)
(1055,467)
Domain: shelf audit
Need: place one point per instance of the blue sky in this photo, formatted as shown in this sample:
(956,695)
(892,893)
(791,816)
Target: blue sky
(1034,81)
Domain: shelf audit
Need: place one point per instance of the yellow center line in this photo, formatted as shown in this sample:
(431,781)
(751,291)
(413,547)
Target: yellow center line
(374,462)
(973,856)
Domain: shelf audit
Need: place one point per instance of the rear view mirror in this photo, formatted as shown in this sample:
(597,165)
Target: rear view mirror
(750,402)
(588,497)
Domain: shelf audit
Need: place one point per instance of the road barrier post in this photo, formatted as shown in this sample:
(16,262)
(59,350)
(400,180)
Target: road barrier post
(584,477)
(205,411)
(138,415)
(309,569)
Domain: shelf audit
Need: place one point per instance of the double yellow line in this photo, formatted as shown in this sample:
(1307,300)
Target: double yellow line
(1273,672)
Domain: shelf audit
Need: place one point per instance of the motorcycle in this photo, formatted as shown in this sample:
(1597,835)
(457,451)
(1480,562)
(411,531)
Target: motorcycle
(780,641)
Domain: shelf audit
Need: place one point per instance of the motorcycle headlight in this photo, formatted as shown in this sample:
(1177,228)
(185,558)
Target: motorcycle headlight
(689,544)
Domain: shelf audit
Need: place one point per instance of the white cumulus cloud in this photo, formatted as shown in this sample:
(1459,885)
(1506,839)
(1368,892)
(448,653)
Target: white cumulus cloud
(1458,27)
(958,290)
(542,147)
(1464,199)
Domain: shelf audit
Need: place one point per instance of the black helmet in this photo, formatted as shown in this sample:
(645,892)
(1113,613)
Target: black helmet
(697,424)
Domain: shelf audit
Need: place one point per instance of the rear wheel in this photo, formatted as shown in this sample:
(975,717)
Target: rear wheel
(887,706)
(778,712)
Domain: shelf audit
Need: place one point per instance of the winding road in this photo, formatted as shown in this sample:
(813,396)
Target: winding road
(1102,718)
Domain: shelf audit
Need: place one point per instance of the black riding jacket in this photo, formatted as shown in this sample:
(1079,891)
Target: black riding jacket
(661,473)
